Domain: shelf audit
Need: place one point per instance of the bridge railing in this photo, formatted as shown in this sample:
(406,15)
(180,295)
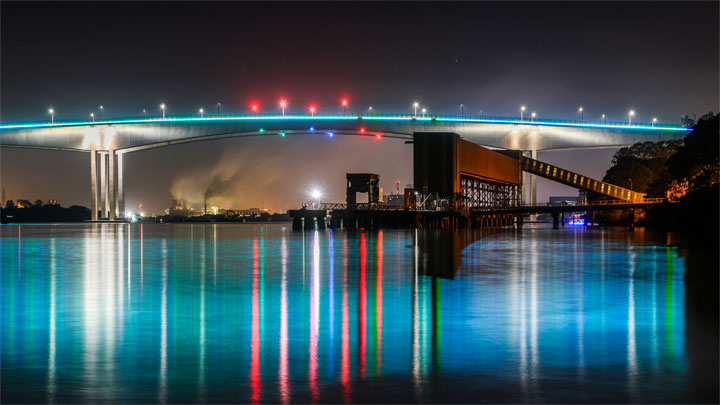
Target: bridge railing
(209,116)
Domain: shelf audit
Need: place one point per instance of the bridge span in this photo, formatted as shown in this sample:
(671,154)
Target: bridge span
(108,140)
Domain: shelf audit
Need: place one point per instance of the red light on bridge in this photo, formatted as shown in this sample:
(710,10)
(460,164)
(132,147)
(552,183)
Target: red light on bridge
(312,109)
(254,107)
(362,130)
(377,136)
(344,102)
(283,103)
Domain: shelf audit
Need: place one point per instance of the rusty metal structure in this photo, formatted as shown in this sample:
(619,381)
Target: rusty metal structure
(362,183)
(452,173)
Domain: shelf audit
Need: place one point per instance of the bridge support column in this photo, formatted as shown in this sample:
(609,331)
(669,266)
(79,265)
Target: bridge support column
(120,187)
(93,185)
(111,183)
(104,208)
(555,218)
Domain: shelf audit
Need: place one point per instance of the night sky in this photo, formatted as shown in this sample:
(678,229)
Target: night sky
(660,59)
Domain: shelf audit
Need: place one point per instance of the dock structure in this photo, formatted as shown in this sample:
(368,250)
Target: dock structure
(458,184)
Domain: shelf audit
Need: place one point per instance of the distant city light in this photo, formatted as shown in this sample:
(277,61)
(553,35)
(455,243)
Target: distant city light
(330,134)
(312,129)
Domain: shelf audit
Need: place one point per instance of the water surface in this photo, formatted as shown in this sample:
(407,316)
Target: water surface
(258,313)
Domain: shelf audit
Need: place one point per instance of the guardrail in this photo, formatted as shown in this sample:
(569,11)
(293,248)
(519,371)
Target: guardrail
(358,206)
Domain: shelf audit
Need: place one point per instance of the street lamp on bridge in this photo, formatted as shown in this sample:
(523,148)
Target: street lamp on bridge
(283,104)
(312,111)
(101,109)
(92,115)
(423,112)
(52,115)
(582,114)
(415,106)
(202,112)
(654,121)
(522,111)
(344,104)
(603,118)
(532,117)
(462,110)
(631,113)
(162,107)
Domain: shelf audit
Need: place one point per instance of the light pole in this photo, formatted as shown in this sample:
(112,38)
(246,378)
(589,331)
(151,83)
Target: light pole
(202,113)
(52,115)
(654,121)
(532,117)
(415,106)
(254,108)
(144,111)
(631,113)
(603,118)
(282,105)
(344,104)
(92,115)
(312,112)
(522,110)
(423,112)
(582,114)
(162,107)
(370,110)
(101,108)
(462,110)
(218,108)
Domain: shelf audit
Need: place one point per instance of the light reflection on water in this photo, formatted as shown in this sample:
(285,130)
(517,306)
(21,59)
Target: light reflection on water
(234,313)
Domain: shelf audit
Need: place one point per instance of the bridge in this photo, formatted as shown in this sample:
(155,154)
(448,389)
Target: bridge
(107,141)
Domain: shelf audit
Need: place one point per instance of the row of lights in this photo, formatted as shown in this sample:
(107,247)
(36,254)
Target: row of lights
(581,110)
(254,107)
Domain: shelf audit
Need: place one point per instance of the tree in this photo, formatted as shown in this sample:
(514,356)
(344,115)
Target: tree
(695,165)
(641,167)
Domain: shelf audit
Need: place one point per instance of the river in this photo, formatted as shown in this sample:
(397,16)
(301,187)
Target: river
(102,313)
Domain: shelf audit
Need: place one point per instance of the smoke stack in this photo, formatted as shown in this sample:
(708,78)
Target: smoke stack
(205,208)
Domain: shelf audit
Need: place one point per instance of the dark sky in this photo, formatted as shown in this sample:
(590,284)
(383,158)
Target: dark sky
(660,59)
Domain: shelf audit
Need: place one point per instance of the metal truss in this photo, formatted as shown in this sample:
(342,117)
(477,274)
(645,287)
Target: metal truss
(485,193)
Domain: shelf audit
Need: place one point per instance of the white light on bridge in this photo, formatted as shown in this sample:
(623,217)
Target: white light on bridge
(202,113)
(631,114)
(415,106)
(52,115)
(522,111)
(162,107)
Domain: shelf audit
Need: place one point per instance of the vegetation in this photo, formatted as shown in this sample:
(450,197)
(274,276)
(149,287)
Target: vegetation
(685,172)
(44,213)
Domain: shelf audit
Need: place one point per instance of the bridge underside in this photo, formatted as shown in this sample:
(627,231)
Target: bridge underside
(470,183)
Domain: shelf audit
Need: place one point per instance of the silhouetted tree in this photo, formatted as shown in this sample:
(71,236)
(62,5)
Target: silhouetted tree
(642,167)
